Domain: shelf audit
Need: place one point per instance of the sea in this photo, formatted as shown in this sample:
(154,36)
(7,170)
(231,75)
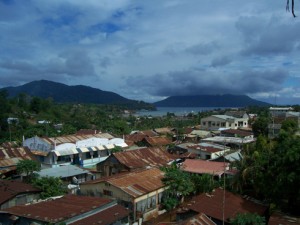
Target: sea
(178,111)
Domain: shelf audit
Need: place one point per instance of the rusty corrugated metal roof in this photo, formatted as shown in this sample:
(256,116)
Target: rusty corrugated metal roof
(210,205)
(149,133)
(158,141)
(164,130)
(141,158)
(200,219)
(12,188)
(204,167)
(13,155)
(138,183)
(137,137)
(108,216)
(74,138)
(48,211)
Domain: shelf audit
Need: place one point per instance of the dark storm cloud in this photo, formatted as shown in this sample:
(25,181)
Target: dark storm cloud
(196,82)
(202,48)
(74,63)
(220,61)
(268,37)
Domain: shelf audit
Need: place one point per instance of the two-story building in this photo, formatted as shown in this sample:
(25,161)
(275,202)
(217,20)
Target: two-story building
(141,191)
(82,150)
(217,122)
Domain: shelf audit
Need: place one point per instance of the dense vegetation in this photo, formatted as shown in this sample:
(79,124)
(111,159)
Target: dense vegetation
(58,119)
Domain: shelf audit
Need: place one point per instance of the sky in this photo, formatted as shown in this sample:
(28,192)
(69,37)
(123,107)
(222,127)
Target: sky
(151,49)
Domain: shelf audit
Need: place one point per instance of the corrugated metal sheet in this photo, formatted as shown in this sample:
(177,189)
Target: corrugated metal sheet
(209,204)
(200,219)
(12,188)
(158,141)
(11,156)
(59,209)
(74,138)
(204,167)
(144,157)
(138,183)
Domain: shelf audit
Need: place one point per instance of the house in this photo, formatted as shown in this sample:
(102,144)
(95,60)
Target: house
(69,209)
(200,219)
(216,122)
(140,191)
(10,155)
(237,133)
(203,150)
(237,114)
(198,166)
(83,150)
(158,141)
(134,159)
(164,131)
(278,218)
(71,175)
(233,142)
(279,111)
(222,205)
(230,157)
(13,192)
(197,135)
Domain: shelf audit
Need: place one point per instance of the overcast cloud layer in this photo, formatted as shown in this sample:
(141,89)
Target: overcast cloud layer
(148,50)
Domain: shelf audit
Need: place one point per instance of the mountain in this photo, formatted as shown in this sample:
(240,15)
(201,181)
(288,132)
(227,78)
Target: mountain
(210,101)
(62,93)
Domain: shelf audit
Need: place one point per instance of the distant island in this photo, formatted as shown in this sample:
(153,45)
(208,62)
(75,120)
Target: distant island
(62,93)
(226,100)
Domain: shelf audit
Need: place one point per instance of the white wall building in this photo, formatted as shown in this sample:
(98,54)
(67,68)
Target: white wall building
(218,122)
(83,150)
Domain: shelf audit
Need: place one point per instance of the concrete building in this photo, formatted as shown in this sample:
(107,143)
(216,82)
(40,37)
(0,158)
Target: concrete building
(82,150)
(217,122)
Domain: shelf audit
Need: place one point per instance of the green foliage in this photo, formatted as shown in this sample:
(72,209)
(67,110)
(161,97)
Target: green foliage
(169,201)
(178,181)
(203,183)
(260,126)
(28,167)
(290,126)
(116,149)
(50,186)
(248,219)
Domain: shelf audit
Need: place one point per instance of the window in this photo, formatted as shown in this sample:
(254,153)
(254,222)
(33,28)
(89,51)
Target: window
(107,192)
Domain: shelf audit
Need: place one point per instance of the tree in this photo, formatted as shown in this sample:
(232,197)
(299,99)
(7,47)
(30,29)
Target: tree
(50,186)
(116,149)
(179,183)
(204,183)
(28,167)
(260,126)
(248,219)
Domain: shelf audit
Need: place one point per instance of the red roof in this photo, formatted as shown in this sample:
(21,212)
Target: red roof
(200,219)
(158,141)
(212,205)
(135,137)
(209,149)
(11,188)
(139,183)
(241,133)
(278,218)
(108,216)
(59,209)
(204,167)
(144,157)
